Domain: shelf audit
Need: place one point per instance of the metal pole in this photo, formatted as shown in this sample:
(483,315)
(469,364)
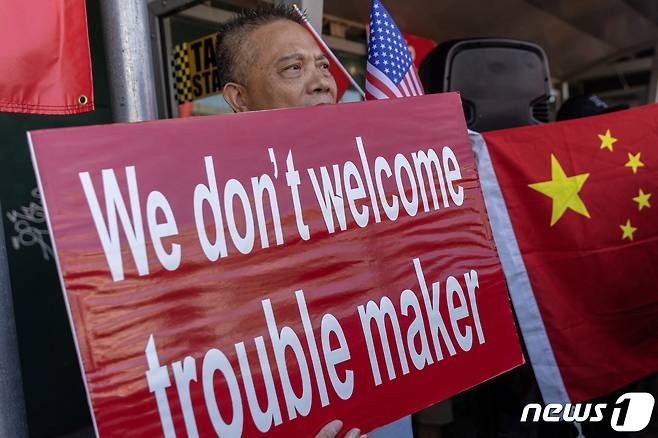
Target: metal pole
(313,9)
(129,63)
(652,96)
(13,421)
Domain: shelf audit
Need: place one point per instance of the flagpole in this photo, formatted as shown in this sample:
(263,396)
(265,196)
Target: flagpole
(129,63)
(318,37)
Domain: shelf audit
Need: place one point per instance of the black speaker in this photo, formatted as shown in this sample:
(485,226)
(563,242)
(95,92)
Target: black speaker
(503,83)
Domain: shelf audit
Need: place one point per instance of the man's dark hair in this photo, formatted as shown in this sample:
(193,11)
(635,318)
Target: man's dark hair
(231,37)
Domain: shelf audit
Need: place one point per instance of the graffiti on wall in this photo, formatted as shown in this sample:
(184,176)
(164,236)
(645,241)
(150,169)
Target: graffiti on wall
(30,227)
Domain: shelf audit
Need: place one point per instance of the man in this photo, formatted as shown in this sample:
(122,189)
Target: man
(266,59)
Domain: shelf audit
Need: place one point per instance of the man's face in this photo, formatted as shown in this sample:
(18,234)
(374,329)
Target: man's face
(288,68)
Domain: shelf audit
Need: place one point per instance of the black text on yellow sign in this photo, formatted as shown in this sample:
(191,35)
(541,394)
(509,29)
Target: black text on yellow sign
(195,69)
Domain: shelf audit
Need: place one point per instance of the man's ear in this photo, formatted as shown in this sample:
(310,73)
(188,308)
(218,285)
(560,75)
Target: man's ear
(235,96)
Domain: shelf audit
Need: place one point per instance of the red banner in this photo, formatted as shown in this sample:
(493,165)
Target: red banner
(268,272)
(45,66)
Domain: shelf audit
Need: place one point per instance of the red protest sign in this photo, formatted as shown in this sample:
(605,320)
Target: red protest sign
(268,272)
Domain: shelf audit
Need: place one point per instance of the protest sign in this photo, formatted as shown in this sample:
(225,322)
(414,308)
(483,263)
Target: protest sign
(267,272)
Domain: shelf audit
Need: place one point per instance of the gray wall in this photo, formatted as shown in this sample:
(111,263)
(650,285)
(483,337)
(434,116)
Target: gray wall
(54,392)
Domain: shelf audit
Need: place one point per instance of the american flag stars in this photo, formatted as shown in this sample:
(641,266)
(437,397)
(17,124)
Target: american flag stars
(390,71)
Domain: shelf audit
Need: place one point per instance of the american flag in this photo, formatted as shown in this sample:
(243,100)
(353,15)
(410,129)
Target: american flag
(390,71)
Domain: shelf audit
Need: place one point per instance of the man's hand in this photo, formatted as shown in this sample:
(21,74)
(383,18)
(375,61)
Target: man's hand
(331,431)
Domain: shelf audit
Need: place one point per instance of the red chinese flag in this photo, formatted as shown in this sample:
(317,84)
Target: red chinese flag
(45,67)
(336,68)
(582,199)
(419,47)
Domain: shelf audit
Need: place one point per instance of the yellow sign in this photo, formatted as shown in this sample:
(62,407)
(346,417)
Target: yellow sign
(195,69)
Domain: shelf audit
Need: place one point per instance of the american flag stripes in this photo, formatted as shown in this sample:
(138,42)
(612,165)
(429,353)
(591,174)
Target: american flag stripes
(390,71)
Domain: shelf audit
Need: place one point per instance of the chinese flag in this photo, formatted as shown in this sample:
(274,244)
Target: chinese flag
(419,47)
(336,68)
(581,202)
(45,67)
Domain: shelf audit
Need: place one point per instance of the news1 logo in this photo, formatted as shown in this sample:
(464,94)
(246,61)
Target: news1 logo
(630,413)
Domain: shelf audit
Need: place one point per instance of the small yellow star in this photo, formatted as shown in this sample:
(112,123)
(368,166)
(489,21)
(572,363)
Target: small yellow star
(642,200)
(563,190)
(634,162)
(627,230)
(607,140)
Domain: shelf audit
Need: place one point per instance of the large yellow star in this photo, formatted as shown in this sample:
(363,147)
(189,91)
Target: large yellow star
(627,230)
(563,190)
(642,200)
(607,140)
(634,161)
